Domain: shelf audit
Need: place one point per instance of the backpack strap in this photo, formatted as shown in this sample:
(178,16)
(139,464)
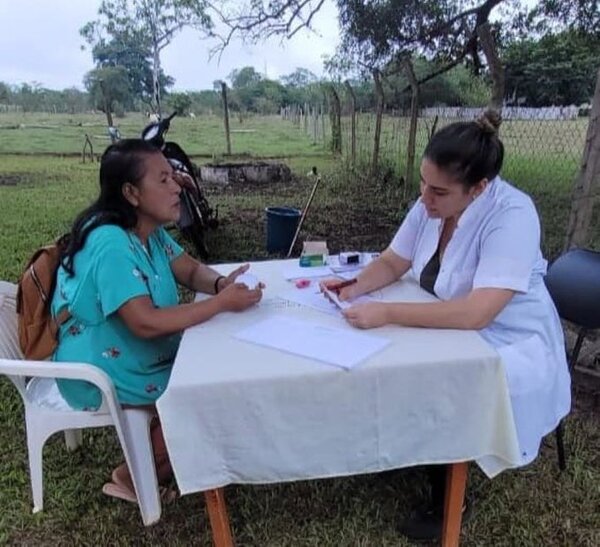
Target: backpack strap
(63,316)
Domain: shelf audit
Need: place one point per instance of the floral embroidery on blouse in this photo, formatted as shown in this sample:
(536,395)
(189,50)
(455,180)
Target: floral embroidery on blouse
(74,329)
(169,250)
(151,388)
(111,353)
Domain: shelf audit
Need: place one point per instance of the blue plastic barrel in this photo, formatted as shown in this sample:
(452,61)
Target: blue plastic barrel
(281,227)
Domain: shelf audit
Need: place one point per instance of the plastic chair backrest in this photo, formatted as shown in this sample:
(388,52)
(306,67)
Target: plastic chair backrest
(9,338)
(573,281)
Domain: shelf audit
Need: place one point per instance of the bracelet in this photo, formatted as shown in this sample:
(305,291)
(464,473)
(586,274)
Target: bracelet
(217,283)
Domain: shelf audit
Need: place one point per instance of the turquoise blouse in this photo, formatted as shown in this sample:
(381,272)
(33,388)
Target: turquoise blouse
(112,268)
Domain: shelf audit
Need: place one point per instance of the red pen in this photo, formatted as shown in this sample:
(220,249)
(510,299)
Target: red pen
(337,288)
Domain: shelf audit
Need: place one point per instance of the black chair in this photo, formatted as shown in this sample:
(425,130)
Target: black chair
(573,281)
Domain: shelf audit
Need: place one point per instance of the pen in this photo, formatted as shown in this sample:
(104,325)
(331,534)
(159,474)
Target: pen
(342,284)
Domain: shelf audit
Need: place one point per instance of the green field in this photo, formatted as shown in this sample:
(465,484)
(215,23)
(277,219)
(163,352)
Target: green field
(40,192)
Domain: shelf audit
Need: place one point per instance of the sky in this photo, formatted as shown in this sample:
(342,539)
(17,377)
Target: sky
(40,42)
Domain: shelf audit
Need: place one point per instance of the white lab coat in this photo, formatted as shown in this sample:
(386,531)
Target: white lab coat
(496,244)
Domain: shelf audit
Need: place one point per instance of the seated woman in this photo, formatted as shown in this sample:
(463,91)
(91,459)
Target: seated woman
(118,281)
(473,240)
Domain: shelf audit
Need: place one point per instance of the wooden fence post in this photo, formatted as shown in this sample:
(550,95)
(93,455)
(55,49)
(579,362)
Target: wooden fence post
(335,120)
(226,116)
(412,133)
(379,115)
(352,121)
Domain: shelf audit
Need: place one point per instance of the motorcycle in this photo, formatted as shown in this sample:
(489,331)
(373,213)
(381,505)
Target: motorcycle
(197,216)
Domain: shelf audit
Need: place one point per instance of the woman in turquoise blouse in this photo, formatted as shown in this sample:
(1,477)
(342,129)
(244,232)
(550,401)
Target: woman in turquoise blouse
(118,280)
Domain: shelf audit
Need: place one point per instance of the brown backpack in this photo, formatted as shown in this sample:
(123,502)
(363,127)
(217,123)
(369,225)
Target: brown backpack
(38,330)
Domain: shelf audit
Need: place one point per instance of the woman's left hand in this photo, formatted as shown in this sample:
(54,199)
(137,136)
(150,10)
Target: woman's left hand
(230,279)
(367,316)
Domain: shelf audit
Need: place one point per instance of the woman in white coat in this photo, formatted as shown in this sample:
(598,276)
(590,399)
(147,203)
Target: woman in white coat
(473,240)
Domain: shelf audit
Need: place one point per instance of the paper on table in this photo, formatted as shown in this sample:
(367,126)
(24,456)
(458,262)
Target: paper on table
(314,298)
(295,271)
(341,347)
(342,304)
(311,297)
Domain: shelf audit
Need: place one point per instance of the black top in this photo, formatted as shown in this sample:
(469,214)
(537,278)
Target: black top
(430,273)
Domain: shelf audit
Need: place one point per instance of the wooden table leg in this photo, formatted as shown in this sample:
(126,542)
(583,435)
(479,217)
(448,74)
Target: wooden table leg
(456,482)
(218,517)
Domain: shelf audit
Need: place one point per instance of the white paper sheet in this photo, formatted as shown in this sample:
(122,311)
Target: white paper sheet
(311,297)
(295,271)
(341,347)
(341,304)
(314,298)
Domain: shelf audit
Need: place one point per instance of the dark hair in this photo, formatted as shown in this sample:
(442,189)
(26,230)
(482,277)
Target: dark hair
(121,162)
(469,151)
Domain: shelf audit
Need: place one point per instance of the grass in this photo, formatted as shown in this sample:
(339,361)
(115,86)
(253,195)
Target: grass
(531,506)
(64,134)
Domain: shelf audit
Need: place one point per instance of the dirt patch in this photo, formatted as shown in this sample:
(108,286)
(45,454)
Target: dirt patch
(280,188)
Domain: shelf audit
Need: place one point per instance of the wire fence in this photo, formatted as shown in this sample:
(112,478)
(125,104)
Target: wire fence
(543,151)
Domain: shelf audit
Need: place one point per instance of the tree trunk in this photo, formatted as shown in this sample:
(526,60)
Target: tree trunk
(323,137)
(226,116)
(495,66)
(352,121)
(305,114)
(378,118)
(412,133)
(585,188)
(107,105)
(156,59)
(335,113)
(109,118)
(155,80)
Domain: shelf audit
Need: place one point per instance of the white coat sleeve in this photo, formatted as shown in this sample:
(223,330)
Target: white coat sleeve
(509,249)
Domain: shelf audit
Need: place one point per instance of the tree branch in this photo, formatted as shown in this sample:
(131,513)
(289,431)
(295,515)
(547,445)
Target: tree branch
(260,22)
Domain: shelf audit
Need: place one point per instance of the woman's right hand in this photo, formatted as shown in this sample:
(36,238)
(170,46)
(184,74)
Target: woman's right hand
(237,297)
(348,292)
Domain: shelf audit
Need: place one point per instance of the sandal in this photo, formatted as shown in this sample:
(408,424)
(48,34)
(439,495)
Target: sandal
(118,489)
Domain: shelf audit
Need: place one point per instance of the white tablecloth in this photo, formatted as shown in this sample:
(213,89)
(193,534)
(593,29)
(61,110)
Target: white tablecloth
(235,412)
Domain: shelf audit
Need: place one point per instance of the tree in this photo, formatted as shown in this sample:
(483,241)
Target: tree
(244,77)
(557,15)
(301,77)
(181,102)
(257,20)
(108,87)
(132,51)
(558,69)
(72,100)
(30,96)
(5,93)
(153,23)
(383,33)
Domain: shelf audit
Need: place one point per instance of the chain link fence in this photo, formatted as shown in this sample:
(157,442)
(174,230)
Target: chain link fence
(543,151)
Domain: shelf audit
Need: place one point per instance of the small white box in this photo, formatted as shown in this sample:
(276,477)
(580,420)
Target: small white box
(349,258)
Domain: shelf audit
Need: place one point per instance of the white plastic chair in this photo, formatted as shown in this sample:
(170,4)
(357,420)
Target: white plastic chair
(46,412)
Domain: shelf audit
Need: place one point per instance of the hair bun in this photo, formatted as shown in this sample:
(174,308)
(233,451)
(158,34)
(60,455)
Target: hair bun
(489,122)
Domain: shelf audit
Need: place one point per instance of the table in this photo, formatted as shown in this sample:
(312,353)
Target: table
(235,412)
